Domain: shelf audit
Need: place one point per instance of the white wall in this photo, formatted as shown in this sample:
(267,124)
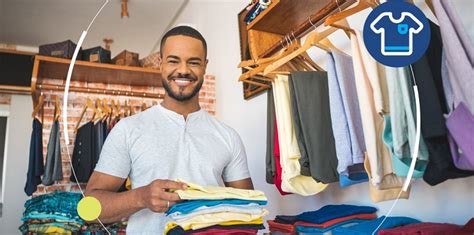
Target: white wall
(33,23)
(451,201)
(16,163)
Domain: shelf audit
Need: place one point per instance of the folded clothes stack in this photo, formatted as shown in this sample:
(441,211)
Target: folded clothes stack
(431,229)
(337,220)
(52,213)
(323,220)
(56,213)
(216,210)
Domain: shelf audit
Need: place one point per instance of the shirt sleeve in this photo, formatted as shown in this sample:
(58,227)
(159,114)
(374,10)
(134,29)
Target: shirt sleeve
(114,158)
(237,169)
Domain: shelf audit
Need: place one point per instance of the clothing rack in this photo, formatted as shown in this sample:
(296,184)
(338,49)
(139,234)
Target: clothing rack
(252,88)
(43,87)
(49,73)
(307,26)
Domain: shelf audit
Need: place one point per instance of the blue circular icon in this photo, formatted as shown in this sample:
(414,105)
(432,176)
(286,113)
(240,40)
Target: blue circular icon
(396,33)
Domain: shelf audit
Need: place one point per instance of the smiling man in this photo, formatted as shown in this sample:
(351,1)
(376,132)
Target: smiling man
(175,139)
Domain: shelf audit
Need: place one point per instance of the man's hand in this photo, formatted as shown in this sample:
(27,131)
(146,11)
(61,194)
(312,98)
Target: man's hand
(157,196)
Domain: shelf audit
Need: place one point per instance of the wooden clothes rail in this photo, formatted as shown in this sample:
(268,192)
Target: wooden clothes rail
(252,86)
(309,25)
(52,68)
(100,91)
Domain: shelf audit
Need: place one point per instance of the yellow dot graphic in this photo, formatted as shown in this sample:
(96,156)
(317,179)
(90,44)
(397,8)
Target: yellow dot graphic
(89,208)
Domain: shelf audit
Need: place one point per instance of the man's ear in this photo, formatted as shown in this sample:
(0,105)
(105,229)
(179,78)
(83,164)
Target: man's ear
(205,63)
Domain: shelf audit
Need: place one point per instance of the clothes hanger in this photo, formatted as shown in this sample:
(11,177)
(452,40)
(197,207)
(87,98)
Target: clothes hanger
(306,59)
(312,40)
(361,5)
(283,52)
(130,107)
(101,112)
(127,109)
(57,109)
(118,109)
(39,106)
(430,5)
(90,105)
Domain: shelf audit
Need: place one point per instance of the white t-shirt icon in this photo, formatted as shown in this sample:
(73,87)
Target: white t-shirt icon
(397,34)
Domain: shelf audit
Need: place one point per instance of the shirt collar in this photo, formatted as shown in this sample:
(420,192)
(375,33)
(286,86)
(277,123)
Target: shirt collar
(174,115)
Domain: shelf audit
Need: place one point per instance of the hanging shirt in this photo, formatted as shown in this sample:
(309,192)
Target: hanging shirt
(461,126)
(160,144)
(35,164)
(431,81)
(54,166)
(402,121)
(292,180)
(459,54)
(83,158)
(345,113)
(276,154)
(309,98)
(270,167)
(372,93)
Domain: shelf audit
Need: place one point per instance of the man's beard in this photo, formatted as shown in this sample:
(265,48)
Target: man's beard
(179,96)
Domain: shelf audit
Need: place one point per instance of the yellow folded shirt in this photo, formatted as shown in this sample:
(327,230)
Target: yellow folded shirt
(172,225)
(195,192)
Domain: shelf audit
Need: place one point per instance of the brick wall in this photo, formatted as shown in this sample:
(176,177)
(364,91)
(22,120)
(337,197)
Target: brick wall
(75,106)
(5,99)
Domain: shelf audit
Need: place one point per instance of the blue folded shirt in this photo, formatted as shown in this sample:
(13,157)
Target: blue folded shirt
(368,228)
(315,230)
(331,212)
(187,207)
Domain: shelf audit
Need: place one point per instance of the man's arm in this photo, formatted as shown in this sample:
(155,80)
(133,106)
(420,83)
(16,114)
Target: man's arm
(104,187)
(242,184)
(116,206)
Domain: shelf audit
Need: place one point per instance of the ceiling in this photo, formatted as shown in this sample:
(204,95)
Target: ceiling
(33,22)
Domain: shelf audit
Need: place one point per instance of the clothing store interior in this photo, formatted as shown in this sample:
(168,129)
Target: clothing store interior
(297,128)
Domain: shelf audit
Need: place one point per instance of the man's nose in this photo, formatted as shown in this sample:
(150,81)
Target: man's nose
(183,68)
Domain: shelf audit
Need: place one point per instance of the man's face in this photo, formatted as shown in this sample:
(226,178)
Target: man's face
(183,66)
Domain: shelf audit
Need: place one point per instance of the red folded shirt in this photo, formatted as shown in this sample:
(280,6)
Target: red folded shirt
(285,228)
(332,222)
(431,229)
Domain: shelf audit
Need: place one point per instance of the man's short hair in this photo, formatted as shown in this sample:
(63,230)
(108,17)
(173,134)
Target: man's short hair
(185,31)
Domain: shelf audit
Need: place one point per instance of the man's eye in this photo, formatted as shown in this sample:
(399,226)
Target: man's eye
(195,63)
(173,62)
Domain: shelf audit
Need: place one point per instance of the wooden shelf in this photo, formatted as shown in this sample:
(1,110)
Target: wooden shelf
(265,35)
(46,67)
(284,16)
(56,68)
